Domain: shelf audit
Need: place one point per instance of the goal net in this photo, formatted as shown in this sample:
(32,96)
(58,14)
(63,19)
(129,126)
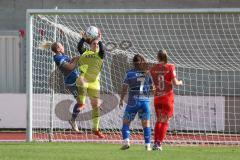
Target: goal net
(203,44)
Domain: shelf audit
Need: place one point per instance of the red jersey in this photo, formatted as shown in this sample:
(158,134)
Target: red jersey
(162,77)
(164,97)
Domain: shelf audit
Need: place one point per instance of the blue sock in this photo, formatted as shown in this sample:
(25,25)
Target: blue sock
(75,111)
(125,131)
(147,134)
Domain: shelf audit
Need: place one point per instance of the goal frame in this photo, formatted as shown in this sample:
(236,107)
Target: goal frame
(29,40)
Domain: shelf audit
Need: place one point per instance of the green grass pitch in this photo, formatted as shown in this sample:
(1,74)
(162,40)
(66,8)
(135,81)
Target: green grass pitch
(96,151)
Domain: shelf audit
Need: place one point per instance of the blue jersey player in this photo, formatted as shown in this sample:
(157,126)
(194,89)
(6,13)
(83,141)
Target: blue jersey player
(138,83)
(68,67)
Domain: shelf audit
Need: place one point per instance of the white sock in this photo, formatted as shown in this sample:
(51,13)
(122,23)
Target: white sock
(148,144)
(126,141)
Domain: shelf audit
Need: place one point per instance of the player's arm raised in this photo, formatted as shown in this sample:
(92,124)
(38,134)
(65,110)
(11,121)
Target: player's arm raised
(100,44)
(80,46)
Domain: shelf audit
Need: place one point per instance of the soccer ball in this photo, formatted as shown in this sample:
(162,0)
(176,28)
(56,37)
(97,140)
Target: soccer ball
(92,32)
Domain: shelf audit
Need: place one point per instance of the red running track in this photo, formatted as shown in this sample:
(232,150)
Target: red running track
(110,137)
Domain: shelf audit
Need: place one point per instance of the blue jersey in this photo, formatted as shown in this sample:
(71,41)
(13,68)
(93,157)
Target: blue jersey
(69,76)
(139,86)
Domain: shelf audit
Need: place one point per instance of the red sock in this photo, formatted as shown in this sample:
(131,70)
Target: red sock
(157,130)
(163,131)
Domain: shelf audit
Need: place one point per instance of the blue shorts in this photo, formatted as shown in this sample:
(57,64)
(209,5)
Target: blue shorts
(142,108)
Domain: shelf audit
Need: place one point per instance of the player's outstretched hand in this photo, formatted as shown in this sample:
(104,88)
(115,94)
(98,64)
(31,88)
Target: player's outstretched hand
(83,34)
(180,82)
(100,35)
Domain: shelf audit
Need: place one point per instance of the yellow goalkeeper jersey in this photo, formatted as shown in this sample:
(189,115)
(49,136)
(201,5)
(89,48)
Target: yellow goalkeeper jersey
(90,65)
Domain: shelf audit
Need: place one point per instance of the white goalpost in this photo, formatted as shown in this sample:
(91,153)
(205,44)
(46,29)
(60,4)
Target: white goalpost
(204,44)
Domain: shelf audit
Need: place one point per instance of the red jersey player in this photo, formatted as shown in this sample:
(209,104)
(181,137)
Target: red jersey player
(164,77)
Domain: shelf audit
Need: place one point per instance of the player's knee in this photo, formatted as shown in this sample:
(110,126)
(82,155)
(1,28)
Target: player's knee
(158,119)
(158,115)
(164,119)
(126,122)
(80,81)
(96,102)
(145,123)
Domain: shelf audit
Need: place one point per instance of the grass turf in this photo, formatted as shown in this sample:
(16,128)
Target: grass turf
(95,151)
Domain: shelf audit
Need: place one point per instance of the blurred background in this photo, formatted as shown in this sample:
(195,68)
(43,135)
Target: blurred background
(13,27)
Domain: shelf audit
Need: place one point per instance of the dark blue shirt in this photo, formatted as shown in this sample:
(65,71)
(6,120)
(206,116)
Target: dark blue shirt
(139,86)
(69,76)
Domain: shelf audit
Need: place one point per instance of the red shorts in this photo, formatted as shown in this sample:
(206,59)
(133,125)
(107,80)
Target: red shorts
(164,105)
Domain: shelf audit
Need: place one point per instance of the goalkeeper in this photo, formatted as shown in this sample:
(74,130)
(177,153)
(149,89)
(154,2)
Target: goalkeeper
(90,64)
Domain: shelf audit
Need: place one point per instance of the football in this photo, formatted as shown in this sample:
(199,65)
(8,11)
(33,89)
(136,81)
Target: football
(92,32)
